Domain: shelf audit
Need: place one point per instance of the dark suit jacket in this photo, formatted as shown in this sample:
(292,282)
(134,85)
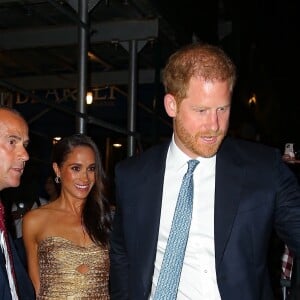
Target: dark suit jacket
(24,285)
(255,192)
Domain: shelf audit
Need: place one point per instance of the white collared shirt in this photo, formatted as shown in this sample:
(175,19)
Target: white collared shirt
(198,277)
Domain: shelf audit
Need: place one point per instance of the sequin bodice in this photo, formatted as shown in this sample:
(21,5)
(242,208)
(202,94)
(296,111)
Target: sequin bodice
(69,271)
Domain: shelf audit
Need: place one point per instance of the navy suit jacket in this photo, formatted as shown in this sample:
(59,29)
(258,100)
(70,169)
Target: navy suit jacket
(24,286)
(255,192)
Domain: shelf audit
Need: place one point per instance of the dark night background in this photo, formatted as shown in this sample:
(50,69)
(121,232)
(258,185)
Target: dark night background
(263,40)
(261,36)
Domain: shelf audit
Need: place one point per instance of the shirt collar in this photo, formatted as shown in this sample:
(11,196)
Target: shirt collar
(177,159)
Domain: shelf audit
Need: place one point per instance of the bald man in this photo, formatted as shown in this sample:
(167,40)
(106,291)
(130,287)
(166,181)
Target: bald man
(14,281)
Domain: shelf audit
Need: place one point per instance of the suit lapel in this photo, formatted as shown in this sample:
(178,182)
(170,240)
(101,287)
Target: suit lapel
(2,264)
(148,208)
(148,214)
(227,195)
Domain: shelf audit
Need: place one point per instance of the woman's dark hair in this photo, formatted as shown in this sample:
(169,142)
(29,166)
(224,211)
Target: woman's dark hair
(96,214)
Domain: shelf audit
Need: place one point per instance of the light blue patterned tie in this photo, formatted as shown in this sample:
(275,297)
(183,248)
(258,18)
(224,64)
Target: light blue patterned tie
(170,272)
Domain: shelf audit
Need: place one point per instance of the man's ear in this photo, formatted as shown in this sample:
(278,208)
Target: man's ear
(170,105)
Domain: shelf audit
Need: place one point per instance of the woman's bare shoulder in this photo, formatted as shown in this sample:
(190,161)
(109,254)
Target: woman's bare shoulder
(39,214)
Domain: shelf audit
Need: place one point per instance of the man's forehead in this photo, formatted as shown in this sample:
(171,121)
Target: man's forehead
(14,126)
(13,132)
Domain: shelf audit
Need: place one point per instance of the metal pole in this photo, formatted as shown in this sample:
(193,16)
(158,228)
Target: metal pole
(82,65)
(132,86)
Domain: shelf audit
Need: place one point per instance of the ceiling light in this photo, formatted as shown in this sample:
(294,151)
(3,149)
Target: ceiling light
(56,139)
(117,145)
(89,98)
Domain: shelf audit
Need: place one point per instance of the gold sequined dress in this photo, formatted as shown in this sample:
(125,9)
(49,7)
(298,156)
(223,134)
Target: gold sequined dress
(69,271)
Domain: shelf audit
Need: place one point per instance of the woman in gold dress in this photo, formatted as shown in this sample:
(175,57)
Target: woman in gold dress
(66,241)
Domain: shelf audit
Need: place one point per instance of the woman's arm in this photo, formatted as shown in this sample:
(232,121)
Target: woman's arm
(29,228)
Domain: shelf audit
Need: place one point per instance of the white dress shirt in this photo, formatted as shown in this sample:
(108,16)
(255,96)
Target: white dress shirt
(198,277)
